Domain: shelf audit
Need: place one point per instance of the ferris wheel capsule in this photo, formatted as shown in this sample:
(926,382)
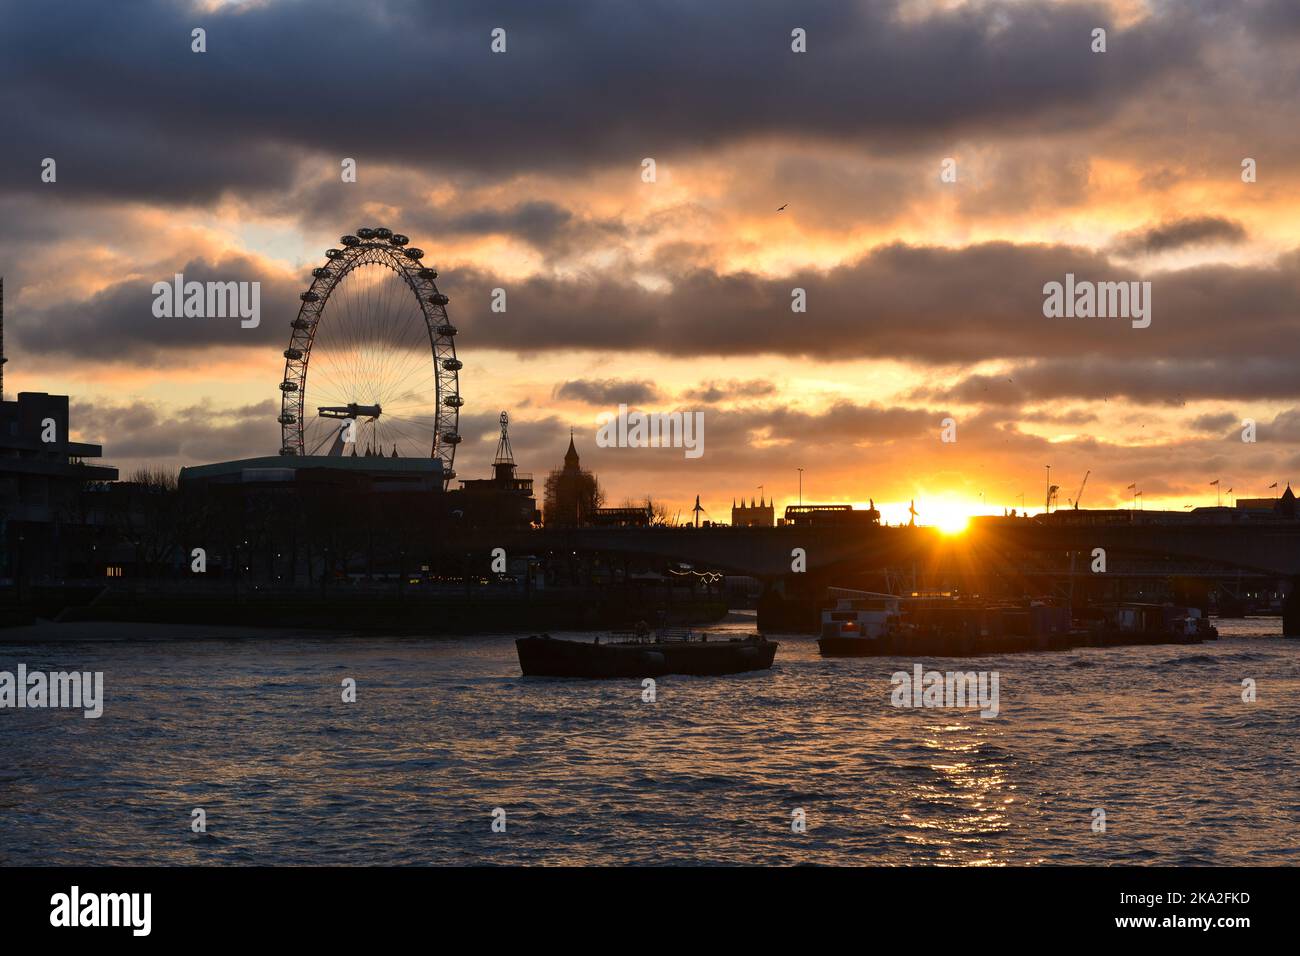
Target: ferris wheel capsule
(383,233)
(365,232)
(399,239)
(413,253)
(350,240)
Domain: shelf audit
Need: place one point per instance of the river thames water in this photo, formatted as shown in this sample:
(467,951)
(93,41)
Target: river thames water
(253,730)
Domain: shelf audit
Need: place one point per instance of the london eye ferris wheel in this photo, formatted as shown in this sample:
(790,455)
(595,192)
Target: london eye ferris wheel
(373,329)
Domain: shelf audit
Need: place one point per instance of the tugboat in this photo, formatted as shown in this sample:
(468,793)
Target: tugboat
(641,653)
(861,624)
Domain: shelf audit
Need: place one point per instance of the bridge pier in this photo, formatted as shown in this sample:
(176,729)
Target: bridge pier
(1291,611)
(786,609)
(1191,592)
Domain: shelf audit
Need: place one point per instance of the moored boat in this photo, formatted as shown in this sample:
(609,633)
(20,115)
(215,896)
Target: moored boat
(642,654)
(1127,624)
(872,624)
(860,624)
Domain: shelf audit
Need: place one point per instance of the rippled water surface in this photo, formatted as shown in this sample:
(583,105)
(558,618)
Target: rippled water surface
(253,730)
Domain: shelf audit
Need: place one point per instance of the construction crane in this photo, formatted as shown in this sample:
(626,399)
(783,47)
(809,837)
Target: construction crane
(1083,484)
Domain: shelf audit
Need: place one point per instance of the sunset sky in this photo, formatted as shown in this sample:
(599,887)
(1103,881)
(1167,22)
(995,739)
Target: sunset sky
(523,170)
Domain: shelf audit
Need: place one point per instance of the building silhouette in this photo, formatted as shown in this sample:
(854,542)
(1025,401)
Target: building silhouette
(45,514)
(572,495)
(505,499)
(752,515)
(1284,506)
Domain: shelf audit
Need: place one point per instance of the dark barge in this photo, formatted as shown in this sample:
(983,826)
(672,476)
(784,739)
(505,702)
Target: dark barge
(866,624)
(644,655)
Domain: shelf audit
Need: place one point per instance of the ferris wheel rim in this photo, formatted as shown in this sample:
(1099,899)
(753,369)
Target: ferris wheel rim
(374,246)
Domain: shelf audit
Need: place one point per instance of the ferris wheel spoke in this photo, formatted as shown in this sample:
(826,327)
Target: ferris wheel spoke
(413,407)
(332,387)
(399,386)
(408,436)
(398,357)
(424,421)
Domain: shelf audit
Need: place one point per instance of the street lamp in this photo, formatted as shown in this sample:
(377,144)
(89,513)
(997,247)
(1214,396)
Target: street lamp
(800,470)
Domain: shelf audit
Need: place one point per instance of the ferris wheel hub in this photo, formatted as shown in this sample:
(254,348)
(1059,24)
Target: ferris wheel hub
(350,410)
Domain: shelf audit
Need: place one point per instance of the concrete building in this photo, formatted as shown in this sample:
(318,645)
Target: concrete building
(43,478)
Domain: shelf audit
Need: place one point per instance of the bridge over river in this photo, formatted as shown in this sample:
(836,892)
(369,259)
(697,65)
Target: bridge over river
(1147,555)
(1265,548)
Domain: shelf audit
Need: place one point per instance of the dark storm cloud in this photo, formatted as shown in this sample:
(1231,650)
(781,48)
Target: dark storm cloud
(581,83)
(1271,19)
(1178,233)
(544,225)
(117,324)
(1285,427)
(1216,422)
(937,306)
(844,420)
(609,391)
(1155,381)
(139,433)
(547,226)
(713,392)
(934,305)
